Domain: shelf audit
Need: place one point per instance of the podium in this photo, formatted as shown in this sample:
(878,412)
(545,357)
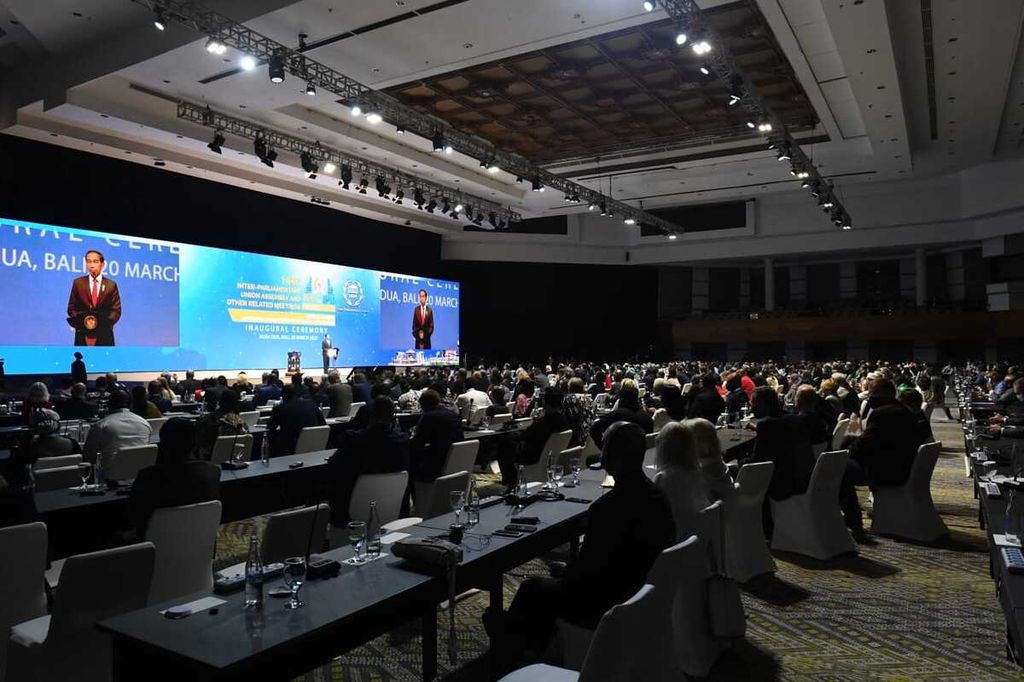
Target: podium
(294,362)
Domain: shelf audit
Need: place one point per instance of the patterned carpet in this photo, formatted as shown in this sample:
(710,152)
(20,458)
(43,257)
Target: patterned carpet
(897,611)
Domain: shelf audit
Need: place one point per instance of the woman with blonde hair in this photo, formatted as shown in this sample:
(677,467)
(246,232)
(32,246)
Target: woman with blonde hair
(709,455)
(679,477)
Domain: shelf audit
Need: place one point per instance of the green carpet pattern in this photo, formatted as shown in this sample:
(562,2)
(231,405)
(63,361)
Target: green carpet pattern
(896,611)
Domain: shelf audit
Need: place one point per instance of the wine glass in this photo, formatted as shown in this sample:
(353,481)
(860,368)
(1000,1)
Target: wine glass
(357,536)
(85,471)
(457,499)
(576,465)
(294,576)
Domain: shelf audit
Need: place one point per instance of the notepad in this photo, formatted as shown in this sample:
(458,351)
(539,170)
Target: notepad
(392,538)
(199,604)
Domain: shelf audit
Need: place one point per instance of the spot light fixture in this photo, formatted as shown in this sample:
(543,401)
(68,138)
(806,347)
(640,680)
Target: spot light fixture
(158,20)
(215,47)
(536,184)
(363,184)
(346,176)
(217,142)
(310,89)
(309,165)
(649,5)
(275,68)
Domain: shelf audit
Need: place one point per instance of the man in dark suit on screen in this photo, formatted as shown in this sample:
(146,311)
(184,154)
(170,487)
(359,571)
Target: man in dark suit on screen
(94,306)
(423,323)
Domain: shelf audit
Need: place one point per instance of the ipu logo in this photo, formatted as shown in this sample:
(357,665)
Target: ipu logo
(352,293)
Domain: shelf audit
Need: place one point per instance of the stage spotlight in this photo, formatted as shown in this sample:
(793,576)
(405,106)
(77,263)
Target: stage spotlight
(493,168)
(537,186)
(681,37)
(592,206)
(629,221)
(649,5)
(672,236)
(309,164)
(363,184)
(705,70)
(400,130)
(311,89)
(468,212)
(357,110)
(701,47)
(275,68)
(764,127)
(399,195)
(259,146)
(329,167)
(216,47)
(418,198)
(445,206)
(247,62)
(815,189)
(751,125)
(479,219)
(158,20)
(216,143)
(804,184)
(380,184)
(270,158)
(846,222)
(459,207)
(346,176)
(783,154)
(604,208)
(492,218)
(438,143)
(374,118)
(431,206)
(736,92)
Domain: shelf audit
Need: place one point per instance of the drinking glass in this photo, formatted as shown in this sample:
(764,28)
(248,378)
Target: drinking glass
(457,499)
(555,474)
(85,471)
(357,536)
(487,422)
(294,576)
(576,465)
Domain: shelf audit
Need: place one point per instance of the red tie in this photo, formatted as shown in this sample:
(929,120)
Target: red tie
(94,292)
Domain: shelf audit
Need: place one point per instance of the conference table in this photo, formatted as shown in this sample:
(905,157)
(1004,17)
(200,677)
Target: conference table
(341,613)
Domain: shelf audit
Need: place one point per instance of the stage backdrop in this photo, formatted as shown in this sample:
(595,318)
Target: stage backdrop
(184,306)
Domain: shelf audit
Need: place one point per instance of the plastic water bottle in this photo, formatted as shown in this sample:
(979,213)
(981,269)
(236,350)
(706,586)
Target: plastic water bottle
(265,450)
(372,532)
(254,576)
(472,505)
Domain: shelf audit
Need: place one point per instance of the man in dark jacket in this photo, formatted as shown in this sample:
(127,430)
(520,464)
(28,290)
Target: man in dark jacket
(883,455)
(628,410)
(177,478)
(339,396)
(377,449)
(435,432)
(289,418)
(707,404)
(626,530)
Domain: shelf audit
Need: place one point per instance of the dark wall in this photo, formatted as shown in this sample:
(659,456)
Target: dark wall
(532,310)
(723,289)
(49,184)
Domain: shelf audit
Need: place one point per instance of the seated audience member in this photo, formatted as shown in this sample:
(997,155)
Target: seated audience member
(270,389)
(409,396)
(524,398)
(628,410)
(361,419)
(156,396)
(177,478)
(883,455)
(914,402)
(121,428)
(377,449)
(77,407)
(38,398)
(435,432)
(627,528)
(142,406)
(784,441)
(360,388)
(189,386)
(289,418)
(225,421)
(672,402)
(242,385)
(531,443)
(498,404)
(709,455)
(707,403)
(679,477)
(46,440)
(472,398)
(807,402)
(339,396)
(737,397)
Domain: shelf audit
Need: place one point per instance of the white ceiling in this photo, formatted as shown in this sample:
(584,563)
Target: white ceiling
(861,64)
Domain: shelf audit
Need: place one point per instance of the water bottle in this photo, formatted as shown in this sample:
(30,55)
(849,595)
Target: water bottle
(521,488)
(472,505)
(97,472)
(1011,517)
(265,450)
(254,576)
(372,532)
